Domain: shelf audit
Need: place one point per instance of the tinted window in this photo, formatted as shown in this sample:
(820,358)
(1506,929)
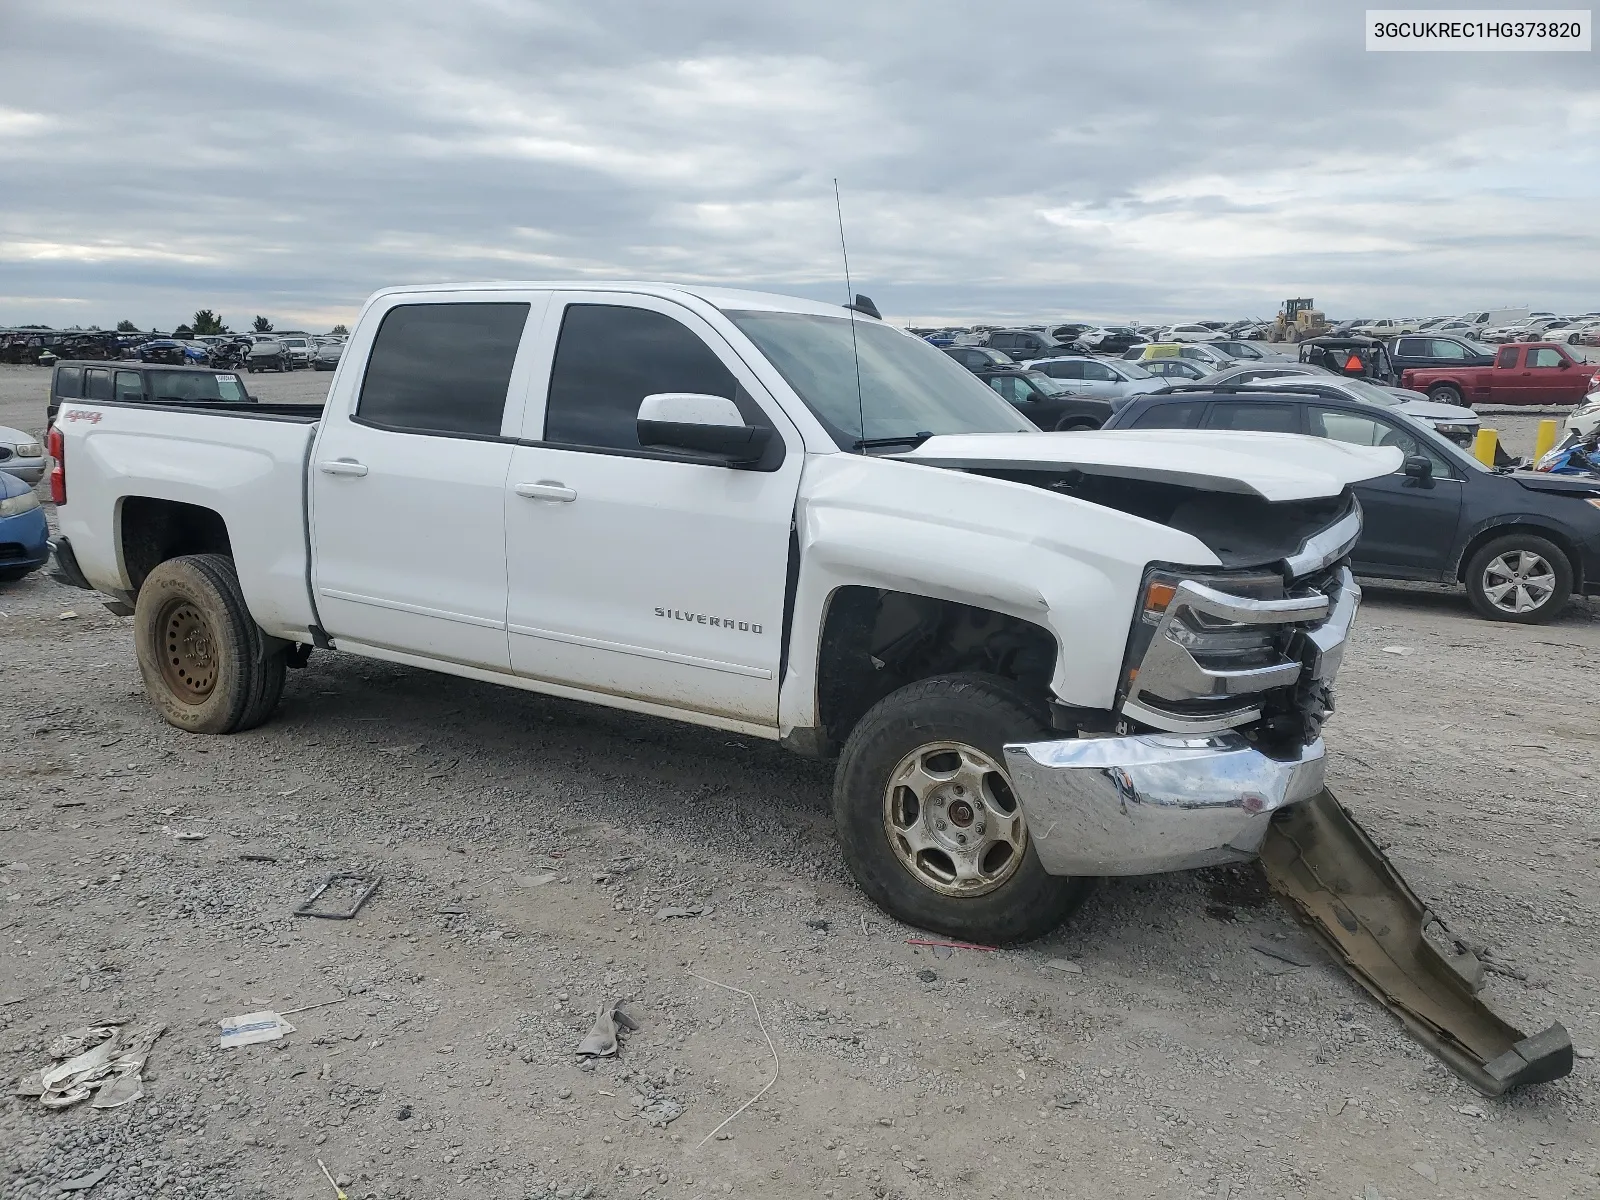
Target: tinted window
(1101,372)
(96,384)
(611,357)
(442,368)
(1063,370)
(1544,358)
(1263,418)
(1170,416)
(1507,357)
(129,386)
(69,382)
(1415,347)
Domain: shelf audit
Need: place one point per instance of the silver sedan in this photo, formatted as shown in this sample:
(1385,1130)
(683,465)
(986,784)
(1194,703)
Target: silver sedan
(21,455)
(1105,378)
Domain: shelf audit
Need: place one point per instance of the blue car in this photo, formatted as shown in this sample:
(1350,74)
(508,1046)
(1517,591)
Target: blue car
(24,536)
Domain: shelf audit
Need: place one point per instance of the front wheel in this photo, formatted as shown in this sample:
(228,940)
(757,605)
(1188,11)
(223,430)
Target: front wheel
(1076,424)
(1447,393)
(929,822)
(1520,577)
(207,666)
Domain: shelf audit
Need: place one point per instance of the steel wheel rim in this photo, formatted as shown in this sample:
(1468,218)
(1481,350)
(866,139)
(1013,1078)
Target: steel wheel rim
(953,821)
(1519,581)
(188,652)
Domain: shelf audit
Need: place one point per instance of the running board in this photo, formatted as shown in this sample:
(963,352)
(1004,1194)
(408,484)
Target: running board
(1325,867)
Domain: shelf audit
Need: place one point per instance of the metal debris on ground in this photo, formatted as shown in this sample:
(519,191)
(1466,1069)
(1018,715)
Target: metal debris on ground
(604,1036)
(1402,651)
(1351,898)
(102,1061)
(945,949)
(776,1066)
(333,1183)
(362,885)
(666,914)
(261,858)
(182,835)
(84,1182)
(250,1028)
(1282,953)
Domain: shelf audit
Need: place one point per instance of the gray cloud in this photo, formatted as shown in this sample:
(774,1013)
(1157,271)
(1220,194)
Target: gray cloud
(1136,158)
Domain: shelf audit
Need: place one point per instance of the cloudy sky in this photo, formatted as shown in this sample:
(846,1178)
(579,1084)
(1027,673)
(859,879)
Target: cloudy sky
(1120,159)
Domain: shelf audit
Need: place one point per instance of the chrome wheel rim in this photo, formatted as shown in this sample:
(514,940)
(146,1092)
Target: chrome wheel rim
(188,653)
(953,821)
(1519,581)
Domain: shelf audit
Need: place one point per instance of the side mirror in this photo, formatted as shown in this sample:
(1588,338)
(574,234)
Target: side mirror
(1418,467)
(701,424)
(1565,364)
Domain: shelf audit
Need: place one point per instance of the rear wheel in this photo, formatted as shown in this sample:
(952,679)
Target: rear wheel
(1076,424)
(1520,577)
(1446,393)
(928,820)
(207,666)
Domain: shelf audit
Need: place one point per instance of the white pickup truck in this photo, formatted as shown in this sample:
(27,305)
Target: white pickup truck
(1039,658)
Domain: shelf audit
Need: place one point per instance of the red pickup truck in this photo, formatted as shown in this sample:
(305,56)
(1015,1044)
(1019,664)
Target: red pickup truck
(1531,373)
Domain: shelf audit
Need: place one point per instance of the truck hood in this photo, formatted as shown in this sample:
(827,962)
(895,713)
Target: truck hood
(1271,466)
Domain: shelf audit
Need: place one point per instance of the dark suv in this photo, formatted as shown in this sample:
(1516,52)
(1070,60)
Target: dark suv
(1521,542)
(979,358)
(141,382)
(1023,344)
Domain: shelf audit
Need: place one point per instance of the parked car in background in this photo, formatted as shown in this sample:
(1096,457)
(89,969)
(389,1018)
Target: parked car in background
(169,351)
(1105,378)
(1193,332)
(1521,374)
(1175,369)
(1570,333)
(1435,350)
(1051,404)
(299,351)
(1535,329)
(1108,339)
(1492,318)
(21,455)
(327,356)
(1518,331)
(1520,543)
(24,533)
(1023,344)
(1247,351)
(269,354)
(980,358)
(1385,328)
(133,382)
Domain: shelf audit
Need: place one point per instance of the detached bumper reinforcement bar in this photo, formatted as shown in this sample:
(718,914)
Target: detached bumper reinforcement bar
(1326,868)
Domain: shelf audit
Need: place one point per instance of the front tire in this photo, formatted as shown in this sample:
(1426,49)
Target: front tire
(207,666)
(1447,393)
(928,821)
(1520,577)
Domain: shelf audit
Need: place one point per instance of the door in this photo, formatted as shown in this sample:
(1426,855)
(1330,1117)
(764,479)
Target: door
(408,491)
(1409,526)
(1550,378)
(1099,380)
(640,573)
(1506,384)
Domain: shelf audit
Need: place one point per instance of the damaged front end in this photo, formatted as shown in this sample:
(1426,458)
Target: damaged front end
(1228,678)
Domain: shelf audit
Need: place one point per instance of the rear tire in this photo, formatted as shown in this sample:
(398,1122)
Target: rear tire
(1076,425)
(1515,570)
(1447,393)
(941,732)
(207,666)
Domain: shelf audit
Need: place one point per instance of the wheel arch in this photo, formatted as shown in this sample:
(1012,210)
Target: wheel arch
(151,530)
(1488,533)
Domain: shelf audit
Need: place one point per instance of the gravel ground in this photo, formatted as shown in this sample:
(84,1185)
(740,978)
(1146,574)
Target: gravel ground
(526,845)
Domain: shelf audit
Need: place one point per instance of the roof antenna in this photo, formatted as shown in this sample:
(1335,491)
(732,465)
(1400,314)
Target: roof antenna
(849,296)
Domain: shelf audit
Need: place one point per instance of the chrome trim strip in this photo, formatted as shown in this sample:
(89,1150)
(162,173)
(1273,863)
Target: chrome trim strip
(1328,545)
(1154,802)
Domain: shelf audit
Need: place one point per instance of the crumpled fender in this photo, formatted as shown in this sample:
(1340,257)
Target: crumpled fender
(1062,563)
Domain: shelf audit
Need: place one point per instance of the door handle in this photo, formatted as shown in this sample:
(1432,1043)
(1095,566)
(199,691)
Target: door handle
(547,489)
(342,466)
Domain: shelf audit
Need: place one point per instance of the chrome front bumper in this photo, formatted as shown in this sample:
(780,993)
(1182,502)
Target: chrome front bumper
(1154,802)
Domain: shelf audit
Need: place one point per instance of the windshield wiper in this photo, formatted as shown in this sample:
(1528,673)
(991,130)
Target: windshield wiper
(907,439)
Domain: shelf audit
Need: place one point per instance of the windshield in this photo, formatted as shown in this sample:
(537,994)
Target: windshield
(1372,393)
(1130,370)
(1048,383)
(906,386)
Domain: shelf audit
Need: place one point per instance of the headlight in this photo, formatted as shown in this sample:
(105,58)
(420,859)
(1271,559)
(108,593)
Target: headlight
(1447,430)
(1244,644)
(15,506)
(29,450)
